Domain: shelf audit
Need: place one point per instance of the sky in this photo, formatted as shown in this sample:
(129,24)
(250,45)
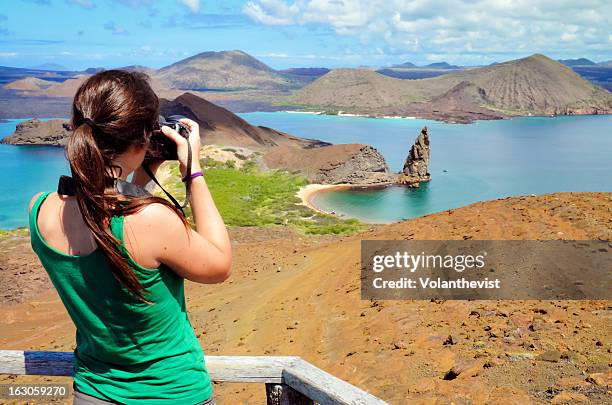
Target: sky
(78,34)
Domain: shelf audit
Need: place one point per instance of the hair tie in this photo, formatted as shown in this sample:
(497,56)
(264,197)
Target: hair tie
(91,123)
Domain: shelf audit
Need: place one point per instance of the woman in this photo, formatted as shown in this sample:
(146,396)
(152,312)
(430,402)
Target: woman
(118,262)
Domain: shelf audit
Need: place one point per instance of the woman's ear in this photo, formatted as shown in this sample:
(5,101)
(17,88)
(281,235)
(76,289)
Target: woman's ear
(138,152)
(140,147)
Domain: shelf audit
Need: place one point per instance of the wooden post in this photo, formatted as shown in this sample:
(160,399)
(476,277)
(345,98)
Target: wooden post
(282,394)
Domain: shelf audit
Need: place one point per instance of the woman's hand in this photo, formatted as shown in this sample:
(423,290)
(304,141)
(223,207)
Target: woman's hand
(181,145)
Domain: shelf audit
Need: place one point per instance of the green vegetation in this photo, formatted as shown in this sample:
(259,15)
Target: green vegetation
(246,196)
(10,233)
(282,102)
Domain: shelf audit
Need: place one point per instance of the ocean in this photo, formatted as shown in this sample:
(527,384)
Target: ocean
(26,170)
(484,160)
(480,161)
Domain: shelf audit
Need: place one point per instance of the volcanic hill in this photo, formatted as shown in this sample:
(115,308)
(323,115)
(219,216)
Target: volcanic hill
(220,126)
(534,85)
(226,70)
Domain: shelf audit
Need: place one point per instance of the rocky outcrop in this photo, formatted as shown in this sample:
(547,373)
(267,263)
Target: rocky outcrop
(416,168)
(334,164)
(37,132)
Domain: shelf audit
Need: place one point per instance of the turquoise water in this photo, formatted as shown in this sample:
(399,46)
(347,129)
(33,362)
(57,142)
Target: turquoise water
(480,161)
(25,170)
(484,160)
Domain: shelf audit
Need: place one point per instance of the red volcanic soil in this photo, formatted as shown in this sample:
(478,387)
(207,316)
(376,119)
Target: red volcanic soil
(291,294)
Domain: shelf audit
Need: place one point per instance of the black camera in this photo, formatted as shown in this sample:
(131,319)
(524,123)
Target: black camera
(160,146)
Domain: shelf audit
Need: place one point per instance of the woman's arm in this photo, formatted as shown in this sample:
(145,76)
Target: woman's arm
(163,236)
(207,219)
(203,255)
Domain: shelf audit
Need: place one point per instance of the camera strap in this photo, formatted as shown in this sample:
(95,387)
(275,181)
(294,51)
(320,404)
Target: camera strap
(179,206)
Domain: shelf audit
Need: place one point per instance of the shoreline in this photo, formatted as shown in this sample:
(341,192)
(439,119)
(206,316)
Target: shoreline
(447,120)
(306,193)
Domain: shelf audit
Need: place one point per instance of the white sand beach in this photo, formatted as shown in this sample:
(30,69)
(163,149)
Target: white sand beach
(307,192)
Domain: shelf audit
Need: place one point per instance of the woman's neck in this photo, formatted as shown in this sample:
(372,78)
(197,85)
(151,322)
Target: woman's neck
(120,170)
(127,162)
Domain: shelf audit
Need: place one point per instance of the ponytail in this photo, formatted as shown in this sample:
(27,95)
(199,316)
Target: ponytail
(89,172)
(111,111)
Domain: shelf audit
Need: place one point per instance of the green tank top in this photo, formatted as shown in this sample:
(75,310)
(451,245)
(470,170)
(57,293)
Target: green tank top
(127,351)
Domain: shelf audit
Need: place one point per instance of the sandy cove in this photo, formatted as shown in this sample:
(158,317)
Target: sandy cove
(307,192)
(293,294)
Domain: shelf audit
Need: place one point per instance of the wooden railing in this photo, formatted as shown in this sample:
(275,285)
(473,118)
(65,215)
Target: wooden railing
(289,380)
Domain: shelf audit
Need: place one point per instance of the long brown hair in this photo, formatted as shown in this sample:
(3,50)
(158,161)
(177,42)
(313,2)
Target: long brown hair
(111,111)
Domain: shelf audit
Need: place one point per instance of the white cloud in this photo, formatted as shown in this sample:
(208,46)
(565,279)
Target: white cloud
(273,55)
(8,54)
(567,36)
(560,27)
(193,5)
(271,12)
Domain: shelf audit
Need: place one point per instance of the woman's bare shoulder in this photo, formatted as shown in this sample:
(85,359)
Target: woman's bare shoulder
(151,231)
(33,200)
(157,211)
(157,218)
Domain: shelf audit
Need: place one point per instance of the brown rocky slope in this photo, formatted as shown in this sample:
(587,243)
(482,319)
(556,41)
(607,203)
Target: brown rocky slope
(221,126)
(296,295)
(534,85)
